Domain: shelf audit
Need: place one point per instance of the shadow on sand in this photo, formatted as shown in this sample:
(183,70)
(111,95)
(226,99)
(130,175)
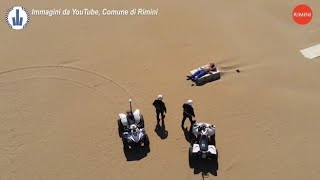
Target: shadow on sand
(161,130)
(136,153)
(205,167)
(187,133)
(205,81)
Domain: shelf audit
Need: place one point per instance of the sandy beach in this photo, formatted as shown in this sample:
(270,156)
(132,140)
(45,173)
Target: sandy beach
(65,79)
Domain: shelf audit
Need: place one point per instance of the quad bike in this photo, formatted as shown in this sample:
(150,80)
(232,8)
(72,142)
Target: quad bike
(131,129)
(203,146)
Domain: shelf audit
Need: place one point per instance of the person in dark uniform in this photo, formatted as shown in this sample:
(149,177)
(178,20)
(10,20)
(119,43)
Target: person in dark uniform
(160,108)
(188,112)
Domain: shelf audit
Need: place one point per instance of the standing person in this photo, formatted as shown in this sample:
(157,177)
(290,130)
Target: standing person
(188,112)
(160,108)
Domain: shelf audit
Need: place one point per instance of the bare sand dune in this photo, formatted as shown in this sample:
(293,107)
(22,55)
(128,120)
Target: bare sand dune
(63,81)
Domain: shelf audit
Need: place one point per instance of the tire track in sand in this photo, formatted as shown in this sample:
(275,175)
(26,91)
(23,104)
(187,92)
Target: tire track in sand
(83,77)
(107,88)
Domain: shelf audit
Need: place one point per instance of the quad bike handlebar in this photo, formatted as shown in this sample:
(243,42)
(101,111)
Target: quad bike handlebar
(130,100)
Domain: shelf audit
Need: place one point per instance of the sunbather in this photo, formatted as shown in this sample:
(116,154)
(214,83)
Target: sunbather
(202,71)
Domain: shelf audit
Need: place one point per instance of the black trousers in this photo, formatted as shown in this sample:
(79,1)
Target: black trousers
(185,116)
(160,113)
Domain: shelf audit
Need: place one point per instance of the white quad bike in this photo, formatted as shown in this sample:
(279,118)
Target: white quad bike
(203,146)
(131,129)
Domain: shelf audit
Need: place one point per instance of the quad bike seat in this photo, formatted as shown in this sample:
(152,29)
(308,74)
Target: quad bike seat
(203,143)
(130,120)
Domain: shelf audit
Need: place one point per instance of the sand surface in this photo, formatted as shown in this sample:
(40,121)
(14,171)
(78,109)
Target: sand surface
(63,81)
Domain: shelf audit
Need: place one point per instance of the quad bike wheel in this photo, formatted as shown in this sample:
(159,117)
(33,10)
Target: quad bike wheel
(146,141)
(192,138)
(142,122)
(125,144)
(191,158)
(214,158)
(120,128)
(213,140)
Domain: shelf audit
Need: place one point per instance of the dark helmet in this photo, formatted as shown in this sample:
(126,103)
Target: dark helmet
(129,114)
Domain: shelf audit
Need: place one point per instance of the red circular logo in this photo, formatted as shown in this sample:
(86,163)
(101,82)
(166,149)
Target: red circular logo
(302,14)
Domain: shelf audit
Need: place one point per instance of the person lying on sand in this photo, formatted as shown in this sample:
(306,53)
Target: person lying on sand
(202,71)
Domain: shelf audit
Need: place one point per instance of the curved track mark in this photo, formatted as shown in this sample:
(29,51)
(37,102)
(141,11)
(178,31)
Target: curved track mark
(66,80)
(75,69)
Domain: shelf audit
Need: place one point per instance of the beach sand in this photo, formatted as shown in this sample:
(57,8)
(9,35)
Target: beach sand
(64,79)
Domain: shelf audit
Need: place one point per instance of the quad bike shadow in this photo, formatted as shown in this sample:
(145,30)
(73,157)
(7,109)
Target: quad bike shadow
(205,167)
(136,153)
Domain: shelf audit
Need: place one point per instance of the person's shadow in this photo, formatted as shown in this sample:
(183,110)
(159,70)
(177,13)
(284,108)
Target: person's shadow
(136,153)
(160,129)
(188,133)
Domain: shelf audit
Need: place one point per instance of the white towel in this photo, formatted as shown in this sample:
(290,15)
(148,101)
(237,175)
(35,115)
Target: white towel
(311,52)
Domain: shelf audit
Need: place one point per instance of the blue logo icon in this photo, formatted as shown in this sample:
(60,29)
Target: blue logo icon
(17,17)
